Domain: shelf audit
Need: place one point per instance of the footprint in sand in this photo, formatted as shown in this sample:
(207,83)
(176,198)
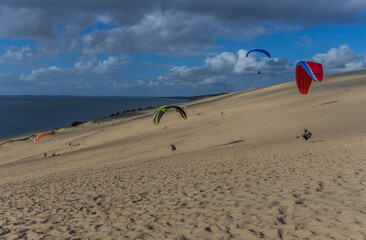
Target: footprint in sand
(321,186)
(282,210)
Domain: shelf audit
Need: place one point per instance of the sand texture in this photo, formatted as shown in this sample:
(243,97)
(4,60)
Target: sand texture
(242,174)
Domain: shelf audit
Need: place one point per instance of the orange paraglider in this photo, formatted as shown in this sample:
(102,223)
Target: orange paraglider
(41,135)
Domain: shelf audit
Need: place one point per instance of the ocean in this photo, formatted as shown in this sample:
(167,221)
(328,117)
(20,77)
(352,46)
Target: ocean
(23,115)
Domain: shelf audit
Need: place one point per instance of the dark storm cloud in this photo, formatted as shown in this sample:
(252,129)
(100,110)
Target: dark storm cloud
(47,13)
(163,26)
(290,11)
(41,18)
(157,32)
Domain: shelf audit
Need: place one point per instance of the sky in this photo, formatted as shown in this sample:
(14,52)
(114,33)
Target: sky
(172,47)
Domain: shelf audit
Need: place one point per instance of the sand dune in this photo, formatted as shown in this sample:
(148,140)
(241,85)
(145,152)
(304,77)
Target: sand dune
(240,175)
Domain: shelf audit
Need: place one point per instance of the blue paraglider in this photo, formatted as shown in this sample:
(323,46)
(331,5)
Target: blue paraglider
(259,50)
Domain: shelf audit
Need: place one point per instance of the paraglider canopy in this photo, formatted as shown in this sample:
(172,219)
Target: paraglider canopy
(41,135)
(161,110)
(305,73)
(259,50)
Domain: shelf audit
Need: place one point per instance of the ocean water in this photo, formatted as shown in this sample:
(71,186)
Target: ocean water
(23,115)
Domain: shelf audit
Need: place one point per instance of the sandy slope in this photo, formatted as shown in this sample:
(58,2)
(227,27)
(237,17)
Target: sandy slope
(241,175)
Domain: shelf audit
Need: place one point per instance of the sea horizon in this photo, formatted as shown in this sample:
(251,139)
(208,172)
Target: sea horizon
(22,115)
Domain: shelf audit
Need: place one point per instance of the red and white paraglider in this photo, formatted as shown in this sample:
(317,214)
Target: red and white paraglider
(306,72)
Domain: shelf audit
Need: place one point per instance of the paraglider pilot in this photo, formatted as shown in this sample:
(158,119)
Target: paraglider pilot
(306,135)
(173,147)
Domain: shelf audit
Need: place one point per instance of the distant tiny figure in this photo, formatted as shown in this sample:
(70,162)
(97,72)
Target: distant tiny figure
(222,113)
(306,135)
(53,154)
(173,147)
(69,143)
(259,71)
(45,154)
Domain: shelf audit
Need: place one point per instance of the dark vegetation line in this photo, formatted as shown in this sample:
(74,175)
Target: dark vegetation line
(117,114)
(194,98)
(191,98)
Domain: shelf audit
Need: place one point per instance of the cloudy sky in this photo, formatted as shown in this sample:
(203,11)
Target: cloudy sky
(175,47)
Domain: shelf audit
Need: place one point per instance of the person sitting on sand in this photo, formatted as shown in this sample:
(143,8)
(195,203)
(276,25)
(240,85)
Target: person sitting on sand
(173,147)
(306,135)
(45,154)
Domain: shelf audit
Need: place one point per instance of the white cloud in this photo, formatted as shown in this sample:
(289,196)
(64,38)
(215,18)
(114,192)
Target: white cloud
(84,65)
(226,71)
(247,65)
(83,68)
(16,55)
(106,65)
(340,59)
(222,62)
(222,69)
(228,68)
(26,55)
(214,81)
(51,71)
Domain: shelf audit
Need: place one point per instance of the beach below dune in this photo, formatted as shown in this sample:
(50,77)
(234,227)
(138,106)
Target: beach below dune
(240,175)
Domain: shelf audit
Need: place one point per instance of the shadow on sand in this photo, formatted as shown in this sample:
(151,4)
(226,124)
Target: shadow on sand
(233,142)
(329,102)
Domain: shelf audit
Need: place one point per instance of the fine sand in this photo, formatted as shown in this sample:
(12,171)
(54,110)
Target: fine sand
(242,174)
